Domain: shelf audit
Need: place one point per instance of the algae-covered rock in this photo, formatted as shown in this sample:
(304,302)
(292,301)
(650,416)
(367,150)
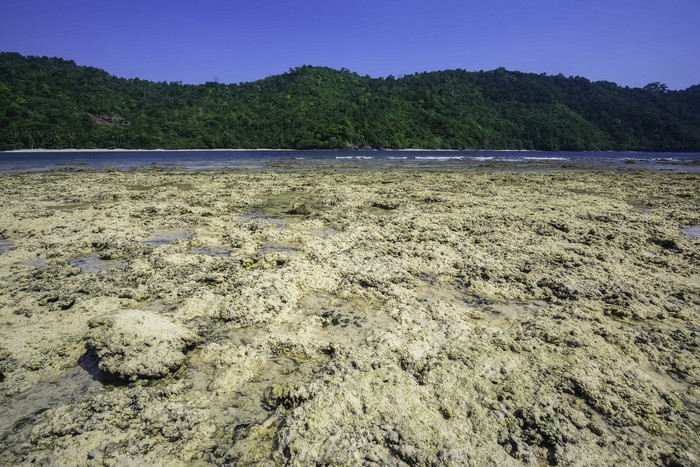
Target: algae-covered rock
(299,209)
(138,344)
(6,363)
(447,317)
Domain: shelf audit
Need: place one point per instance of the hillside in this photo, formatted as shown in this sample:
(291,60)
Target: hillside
(53,103)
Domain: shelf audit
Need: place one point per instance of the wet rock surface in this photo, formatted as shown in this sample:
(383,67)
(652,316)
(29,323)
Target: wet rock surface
(414,317)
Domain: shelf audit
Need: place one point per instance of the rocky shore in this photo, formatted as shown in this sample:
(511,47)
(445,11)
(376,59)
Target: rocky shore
(345,317)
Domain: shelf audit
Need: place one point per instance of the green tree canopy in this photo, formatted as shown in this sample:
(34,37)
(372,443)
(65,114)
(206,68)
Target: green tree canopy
(53,103)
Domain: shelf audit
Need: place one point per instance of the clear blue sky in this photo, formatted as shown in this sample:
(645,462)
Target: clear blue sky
(629,42)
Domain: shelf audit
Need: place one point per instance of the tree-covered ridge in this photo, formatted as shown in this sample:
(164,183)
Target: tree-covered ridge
(53,103)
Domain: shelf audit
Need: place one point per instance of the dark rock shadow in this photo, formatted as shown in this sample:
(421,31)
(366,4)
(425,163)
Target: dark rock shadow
(89,362)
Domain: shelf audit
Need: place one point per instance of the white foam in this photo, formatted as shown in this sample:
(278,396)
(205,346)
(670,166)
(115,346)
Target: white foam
(441,158)
(546,158)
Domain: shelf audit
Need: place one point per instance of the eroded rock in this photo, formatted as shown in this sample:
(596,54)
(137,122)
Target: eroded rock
(299,209)
(138,344)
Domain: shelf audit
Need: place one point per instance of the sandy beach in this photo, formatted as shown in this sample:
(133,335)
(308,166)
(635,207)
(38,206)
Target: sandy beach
(348,317)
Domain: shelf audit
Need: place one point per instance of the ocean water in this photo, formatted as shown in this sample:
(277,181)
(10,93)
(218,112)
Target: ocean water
(280,160)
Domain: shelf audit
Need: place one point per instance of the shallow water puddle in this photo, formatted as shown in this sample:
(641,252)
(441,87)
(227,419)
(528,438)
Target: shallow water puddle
(19,413)
(165,237)
(278,247)
(276,221)
(93,263)
(37,263)
(639,205)
(583,191)
(217,252)
(157,306)
(251,401)
(290,206)
(5,246)
(78,205)
(344,320)
(692,230)
(378,211)
(180,186)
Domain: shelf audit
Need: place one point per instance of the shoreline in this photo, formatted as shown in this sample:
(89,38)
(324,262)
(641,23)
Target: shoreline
(96,150)
(202,159)
(118,150)
(38,151)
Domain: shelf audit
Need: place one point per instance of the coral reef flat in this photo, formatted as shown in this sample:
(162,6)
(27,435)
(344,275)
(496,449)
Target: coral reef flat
(349,317)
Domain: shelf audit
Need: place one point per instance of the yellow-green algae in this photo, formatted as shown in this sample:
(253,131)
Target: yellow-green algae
(422,318)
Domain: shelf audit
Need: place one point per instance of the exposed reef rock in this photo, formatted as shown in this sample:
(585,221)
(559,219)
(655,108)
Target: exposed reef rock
(133,344)
(481,317)
(299,209)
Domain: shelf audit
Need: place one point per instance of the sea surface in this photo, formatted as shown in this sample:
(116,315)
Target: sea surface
(360,160)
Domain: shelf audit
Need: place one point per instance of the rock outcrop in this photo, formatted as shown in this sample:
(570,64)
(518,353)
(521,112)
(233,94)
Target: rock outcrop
(138,344)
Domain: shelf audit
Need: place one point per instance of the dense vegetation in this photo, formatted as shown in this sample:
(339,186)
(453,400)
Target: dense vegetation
(53,103)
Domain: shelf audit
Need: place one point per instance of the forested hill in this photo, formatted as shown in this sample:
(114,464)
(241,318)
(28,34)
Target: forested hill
(53,103)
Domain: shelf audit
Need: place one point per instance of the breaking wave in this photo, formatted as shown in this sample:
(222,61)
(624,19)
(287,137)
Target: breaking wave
(441,158)
(542,158)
